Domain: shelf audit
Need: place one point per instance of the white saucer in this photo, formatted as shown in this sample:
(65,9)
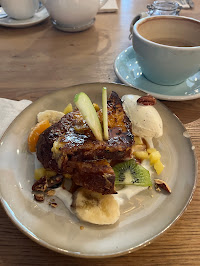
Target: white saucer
(129,72)
(41,15)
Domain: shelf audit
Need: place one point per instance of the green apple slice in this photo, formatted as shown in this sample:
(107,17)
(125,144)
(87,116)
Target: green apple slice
(105,113)
(85,106)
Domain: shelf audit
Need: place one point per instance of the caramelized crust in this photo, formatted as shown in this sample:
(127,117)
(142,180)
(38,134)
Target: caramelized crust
(70,143)
(95,175)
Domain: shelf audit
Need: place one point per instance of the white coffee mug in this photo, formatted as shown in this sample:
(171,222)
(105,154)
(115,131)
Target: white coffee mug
(73,15)
(167,48)
(20,9)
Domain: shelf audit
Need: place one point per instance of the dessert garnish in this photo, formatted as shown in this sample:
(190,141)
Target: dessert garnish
(98,151)
(130,172)
(105,113)
(89,114)
(147,100)
(162,184)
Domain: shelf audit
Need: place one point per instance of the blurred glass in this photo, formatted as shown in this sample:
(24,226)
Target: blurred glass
(2,13)
(163,8)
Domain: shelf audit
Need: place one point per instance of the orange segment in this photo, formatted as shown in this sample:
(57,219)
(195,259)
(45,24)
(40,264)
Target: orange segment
(35,133)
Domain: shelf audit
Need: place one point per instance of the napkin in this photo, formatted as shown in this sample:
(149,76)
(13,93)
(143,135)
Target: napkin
(110,6)
(10,109)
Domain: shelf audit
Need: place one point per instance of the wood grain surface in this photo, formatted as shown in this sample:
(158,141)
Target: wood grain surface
(41,59)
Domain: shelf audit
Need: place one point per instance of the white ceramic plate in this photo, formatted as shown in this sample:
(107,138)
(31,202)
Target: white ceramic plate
(143,218)
(129,72)
(39,16)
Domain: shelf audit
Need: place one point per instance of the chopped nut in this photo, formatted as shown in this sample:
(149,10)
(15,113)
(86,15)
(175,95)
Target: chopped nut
(162,184)
(147,100)
(157,188)
(51,193)
(55,181)
(40,185)
(39,197)
(53,204)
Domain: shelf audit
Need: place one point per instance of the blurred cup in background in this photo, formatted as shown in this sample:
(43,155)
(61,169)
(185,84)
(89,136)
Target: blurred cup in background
(20,9)
(73,15)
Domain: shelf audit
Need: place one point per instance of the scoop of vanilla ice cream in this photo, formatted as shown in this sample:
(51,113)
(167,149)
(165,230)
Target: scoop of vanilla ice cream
(145,119)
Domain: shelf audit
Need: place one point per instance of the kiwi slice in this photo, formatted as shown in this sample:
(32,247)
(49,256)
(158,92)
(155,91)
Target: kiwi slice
(131,173)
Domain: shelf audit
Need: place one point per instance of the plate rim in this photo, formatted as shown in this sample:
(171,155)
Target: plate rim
(157,95)
(21,23)
(45,244)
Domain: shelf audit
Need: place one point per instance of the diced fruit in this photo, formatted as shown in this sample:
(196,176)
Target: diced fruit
(50,173)
(67,175)
(158,166)
(35,133)
(139,147)
(68,109)
(105,113)
(141,155)
(150,150)
(138,140)
(89,113)
(154,157)
(50,115)
(39,172)
(96,107)
(131,173)
(94,207)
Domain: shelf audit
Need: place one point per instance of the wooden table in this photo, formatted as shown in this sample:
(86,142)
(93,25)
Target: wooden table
(41,59)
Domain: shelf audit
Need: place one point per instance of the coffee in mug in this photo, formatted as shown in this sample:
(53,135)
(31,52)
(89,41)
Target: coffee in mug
(173,42)
(167,48)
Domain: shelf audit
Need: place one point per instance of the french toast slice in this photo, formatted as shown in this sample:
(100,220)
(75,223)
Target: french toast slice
(66,145)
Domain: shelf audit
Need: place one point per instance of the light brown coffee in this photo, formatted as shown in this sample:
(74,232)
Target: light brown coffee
(174,42)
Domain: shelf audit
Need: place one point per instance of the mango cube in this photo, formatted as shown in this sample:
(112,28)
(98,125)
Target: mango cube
(50,173)
(39,172)
(142,155)
(154,157)
(68,109)
(158,166)
(150,150)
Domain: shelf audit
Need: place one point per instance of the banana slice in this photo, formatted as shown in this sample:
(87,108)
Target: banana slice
(95,208)
(50,115)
